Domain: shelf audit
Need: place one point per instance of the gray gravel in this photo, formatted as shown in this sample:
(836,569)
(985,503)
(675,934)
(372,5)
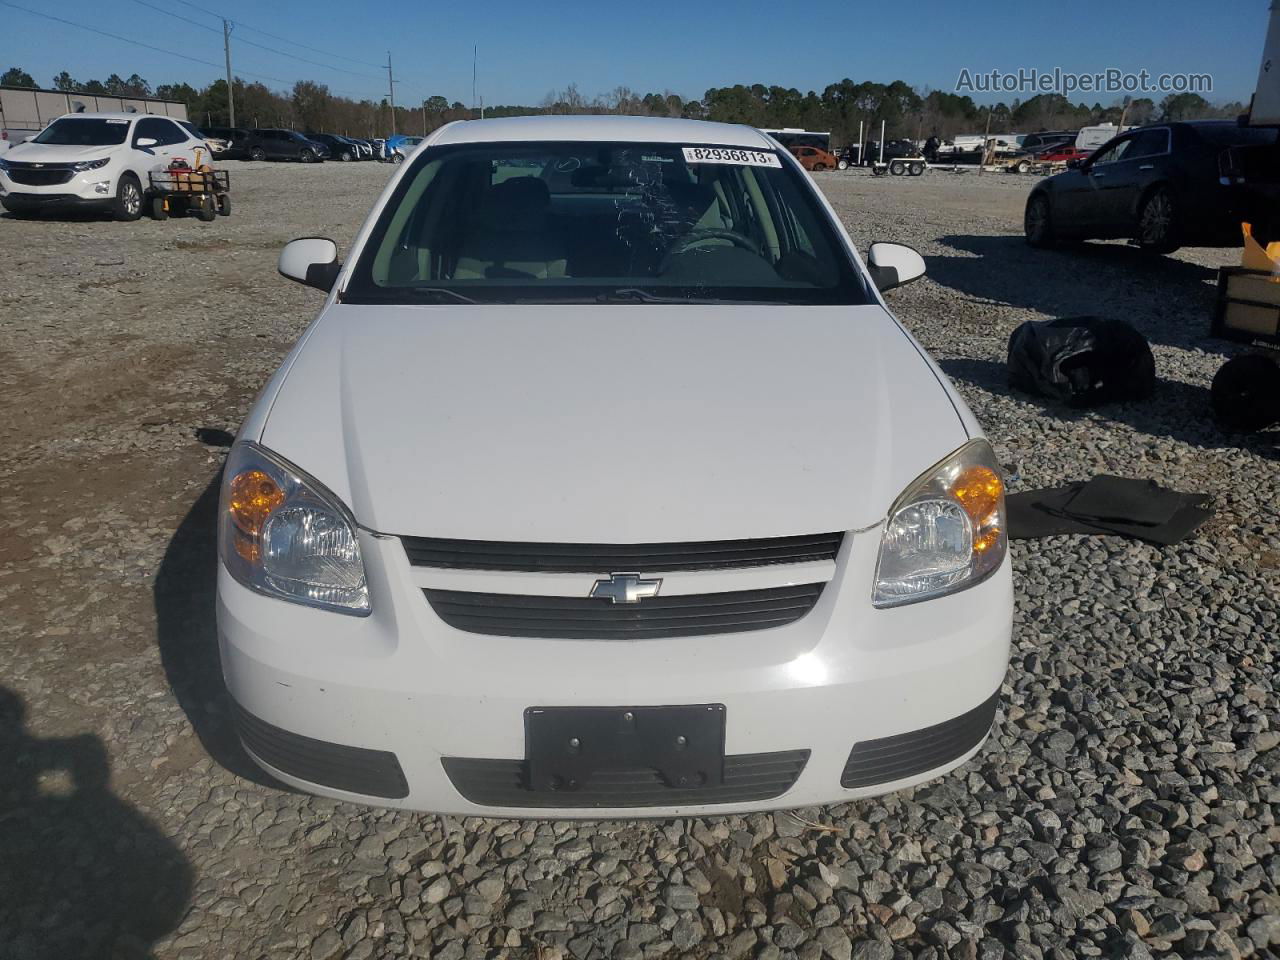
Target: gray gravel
(1126,805)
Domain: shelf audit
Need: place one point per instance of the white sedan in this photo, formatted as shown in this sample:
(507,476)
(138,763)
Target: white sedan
(605,482)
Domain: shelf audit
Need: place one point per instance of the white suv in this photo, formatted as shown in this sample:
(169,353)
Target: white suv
(606,480)
(94,161)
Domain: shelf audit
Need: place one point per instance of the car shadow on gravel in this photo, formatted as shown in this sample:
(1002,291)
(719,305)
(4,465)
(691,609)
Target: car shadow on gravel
(1170,301)
(82,873)
(184,594)
(1179,411)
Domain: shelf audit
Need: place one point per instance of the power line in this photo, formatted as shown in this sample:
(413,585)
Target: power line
(323,66)
(244,26)
(194,23)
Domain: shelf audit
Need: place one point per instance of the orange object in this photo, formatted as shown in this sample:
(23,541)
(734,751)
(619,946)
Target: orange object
(252,497)
(1257,258)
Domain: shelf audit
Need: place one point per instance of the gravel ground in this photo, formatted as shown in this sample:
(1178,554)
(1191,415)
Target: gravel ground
(1125,805)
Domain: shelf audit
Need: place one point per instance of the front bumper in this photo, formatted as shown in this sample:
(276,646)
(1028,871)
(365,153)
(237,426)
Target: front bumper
(93,190)
(34,202)
(399,709)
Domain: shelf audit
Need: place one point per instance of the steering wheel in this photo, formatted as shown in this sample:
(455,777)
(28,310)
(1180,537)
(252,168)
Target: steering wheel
(695,237)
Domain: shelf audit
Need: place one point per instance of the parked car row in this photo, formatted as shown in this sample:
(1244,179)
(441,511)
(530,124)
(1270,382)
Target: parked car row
(273,143)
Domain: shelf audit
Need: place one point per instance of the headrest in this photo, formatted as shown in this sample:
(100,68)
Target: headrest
(516,204)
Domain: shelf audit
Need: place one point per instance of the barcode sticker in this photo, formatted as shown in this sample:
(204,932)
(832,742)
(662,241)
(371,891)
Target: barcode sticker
(735,155)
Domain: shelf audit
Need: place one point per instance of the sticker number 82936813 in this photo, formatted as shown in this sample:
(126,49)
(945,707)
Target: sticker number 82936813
(738,155)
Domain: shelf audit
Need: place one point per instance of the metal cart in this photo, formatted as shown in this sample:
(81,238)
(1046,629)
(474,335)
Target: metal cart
(1246,389)
(177,191)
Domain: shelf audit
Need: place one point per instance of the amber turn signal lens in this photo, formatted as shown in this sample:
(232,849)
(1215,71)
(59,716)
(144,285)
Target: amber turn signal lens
(978,489)
(252,498)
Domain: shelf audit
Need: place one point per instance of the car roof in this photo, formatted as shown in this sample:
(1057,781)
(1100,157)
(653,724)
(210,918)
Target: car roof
(603,128)
(113,115)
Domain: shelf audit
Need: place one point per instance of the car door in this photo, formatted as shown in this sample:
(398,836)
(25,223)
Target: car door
(275,145)
(169,143)
(1090,193)
(1127,179)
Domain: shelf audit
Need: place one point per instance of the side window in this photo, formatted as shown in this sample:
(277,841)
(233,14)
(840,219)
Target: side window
(1117,151)
(1149,143)
(151,127)
(170,133)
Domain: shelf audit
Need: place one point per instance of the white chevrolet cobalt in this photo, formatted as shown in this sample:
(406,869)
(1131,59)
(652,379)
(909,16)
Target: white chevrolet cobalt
(605,483)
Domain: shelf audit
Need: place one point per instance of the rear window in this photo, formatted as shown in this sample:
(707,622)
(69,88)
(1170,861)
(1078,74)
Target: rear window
(1228,135)
(568,222)
(84,132)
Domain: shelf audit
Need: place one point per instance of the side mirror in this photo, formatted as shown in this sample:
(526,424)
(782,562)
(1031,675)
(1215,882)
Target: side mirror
(893,264)
(312,261)
(1076,163)
(143,142)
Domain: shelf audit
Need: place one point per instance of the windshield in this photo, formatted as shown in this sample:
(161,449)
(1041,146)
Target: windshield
(84,132)
(571,222)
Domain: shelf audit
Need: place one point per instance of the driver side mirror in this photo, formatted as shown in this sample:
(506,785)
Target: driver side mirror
(893,264)
(144,142)
(312,261)
(1077,163)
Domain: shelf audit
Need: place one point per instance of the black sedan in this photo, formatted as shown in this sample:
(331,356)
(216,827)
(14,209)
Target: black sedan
(340,148)
(1164,186)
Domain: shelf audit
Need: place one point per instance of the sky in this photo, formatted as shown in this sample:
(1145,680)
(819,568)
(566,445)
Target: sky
(527,49)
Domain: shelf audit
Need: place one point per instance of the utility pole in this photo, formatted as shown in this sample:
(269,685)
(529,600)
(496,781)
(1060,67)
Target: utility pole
(475,53)
(226,47)
(391,88)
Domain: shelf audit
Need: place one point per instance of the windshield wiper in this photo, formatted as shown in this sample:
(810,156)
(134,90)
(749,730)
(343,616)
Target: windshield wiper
(637,295)
(442,293)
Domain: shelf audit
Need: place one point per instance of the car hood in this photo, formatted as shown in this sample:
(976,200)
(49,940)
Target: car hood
(619,423)
(56,153)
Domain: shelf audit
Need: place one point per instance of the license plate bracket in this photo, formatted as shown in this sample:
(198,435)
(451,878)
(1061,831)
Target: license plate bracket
(564,746)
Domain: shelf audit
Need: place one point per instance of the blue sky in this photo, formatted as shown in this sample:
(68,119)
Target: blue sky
(529,48)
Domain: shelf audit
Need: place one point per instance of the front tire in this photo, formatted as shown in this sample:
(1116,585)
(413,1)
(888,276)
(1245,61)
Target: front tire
(842,165)
(128,202)
(345,156)
(397,158)
(916,169)
(224,204)
(257,153)
(158,210)
(1037,222)
(206,210)
(1158,222)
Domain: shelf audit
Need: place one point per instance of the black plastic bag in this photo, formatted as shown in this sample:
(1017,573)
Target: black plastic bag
(1081,361)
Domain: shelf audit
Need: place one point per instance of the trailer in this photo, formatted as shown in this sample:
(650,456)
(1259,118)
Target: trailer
(900,166)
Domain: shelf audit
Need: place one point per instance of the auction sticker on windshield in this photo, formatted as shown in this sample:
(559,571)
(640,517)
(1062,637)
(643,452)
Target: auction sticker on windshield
(746,158)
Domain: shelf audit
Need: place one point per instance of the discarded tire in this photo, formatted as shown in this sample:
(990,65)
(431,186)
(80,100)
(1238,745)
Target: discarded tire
(1246,393)
(1081,361)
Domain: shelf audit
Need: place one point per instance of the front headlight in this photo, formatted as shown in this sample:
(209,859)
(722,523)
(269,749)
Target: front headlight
(280,532)
(946,532)
(90,165)
(3,165)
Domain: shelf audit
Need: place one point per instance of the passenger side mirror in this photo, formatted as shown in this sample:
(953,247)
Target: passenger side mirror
(143,142)
(1076,163)
(893,264)
(312,261)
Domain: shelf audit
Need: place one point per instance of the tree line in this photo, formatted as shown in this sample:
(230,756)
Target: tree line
(840,108)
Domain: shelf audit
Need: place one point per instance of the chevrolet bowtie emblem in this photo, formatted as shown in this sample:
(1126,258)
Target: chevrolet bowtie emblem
(626,588)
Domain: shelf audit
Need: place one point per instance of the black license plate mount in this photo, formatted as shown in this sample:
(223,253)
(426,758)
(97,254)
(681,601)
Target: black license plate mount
(684,745)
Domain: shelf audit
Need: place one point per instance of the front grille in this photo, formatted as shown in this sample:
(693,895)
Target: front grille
(43,176)
(615,557)
(874,762)
(588,618)
(747,778)
(373,773)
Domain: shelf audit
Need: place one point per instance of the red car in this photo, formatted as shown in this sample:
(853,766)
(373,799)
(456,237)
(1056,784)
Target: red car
(1061,154)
